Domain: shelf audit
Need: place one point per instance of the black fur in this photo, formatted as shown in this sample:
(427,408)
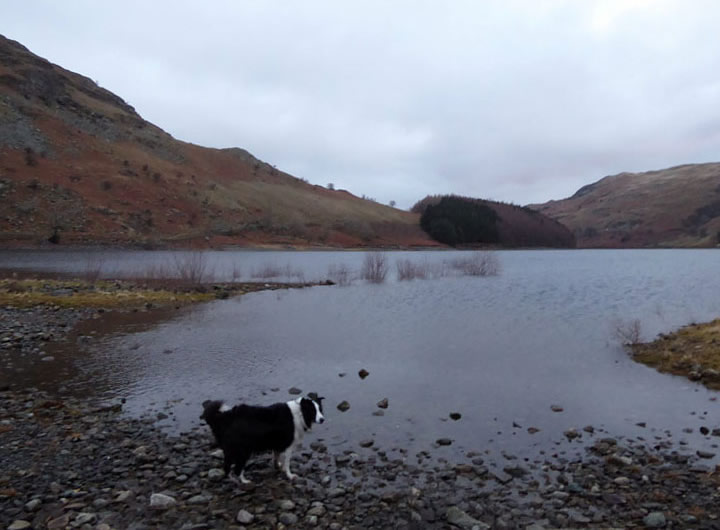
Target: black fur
(245,429)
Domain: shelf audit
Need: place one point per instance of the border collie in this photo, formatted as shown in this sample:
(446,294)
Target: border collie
(243,430)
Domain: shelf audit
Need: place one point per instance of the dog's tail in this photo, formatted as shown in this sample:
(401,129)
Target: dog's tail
(211,410)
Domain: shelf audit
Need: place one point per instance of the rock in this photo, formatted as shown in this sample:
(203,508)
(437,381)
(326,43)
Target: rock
(366,443)
(288,518)
(455,416)
(19,524)
(123,496)
(199,499)
(532,430)
(318,510)
(516,471)
(343,406)
(378,413)
(571,434)
(216,474)
(59,522)
(160,501)
(33,505)
(286,505)
(336,492)
(383,403)
(654,520)
(705,454)
(556,408)
(363,373)
(294,391)
(443,441)
(244,517)
(84,518)
(618,460)
(457,517)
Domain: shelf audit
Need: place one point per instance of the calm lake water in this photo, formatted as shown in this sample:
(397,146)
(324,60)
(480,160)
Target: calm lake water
(499,350)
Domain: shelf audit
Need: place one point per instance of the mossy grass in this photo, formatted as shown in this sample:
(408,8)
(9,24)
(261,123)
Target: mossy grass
(99,294)
(122,294)
(692,351)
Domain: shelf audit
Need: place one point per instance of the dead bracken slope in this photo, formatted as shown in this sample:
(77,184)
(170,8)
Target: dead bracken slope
(79,165)
(675,207)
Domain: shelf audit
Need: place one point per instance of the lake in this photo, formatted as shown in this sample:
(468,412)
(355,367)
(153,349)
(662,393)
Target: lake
(500,350)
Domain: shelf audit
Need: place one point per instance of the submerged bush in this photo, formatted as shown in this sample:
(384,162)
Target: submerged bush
(481,263)
(627,332)
(271,270)
(409,270)
(191,267)
(374,268)
(340,274)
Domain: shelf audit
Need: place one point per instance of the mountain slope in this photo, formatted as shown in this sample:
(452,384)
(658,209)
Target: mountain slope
(79,165)
(675,207)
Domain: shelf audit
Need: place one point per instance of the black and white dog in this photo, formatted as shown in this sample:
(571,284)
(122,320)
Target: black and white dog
(243,430)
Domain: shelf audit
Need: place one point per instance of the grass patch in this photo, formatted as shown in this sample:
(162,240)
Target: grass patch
(79,294)
(692,351)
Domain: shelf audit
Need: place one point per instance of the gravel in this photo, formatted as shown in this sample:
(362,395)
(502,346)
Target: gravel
(72,462)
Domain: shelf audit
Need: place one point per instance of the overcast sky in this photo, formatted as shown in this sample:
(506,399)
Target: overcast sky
(520,101)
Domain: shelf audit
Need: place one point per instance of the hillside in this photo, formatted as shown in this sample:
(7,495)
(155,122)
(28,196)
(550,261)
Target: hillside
(507,225)
(675,207)
(78,165)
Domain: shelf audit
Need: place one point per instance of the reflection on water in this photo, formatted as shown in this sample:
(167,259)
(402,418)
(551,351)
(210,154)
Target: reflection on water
(501,351)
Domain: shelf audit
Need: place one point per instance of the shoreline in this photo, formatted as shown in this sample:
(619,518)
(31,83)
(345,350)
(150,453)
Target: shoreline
(72,462)
(693,351)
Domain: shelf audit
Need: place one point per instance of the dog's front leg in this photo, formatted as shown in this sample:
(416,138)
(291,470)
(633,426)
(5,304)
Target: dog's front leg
(286,464)
(277,462)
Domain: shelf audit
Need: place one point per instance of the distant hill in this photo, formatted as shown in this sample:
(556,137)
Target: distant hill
(78,165)
(675,207)
(467,221)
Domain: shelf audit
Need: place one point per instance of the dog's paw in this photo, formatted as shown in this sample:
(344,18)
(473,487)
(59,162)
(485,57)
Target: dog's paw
(291,476)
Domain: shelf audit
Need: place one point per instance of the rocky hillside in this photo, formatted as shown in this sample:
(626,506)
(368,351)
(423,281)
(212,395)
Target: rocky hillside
(78,165)
(675,207)
(509,225)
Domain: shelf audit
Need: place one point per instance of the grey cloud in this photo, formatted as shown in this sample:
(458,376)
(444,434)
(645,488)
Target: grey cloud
(522,101)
